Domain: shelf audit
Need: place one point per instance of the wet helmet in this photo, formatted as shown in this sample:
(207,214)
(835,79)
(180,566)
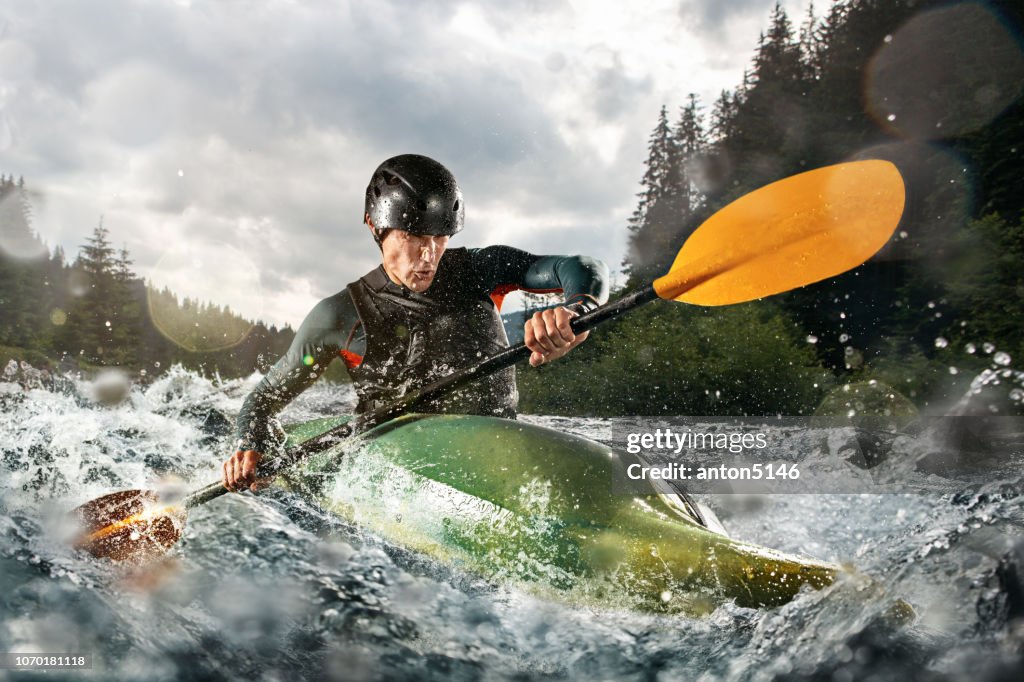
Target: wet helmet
(416,194)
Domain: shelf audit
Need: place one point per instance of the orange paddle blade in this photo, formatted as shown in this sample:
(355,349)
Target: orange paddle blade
(788,234)
(130,525)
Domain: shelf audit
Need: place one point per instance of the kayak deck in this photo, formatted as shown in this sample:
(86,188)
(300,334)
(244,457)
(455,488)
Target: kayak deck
(534,506)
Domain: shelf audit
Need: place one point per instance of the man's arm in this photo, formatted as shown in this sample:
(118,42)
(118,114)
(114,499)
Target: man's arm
(583,282)
(316,344)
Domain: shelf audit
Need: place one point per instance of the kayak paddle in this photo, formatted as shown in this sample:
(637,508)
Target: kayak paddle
(785,235)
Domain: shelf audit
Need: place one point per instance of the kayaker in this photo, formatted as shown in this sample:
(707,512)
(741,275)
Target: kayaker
(424,312)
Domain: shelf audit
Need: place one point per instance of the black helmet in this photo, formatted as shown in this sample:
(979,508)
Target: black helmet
(414,193)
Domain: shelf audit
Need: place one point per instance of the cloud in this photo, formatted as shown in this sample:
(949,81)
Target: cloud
(258,124)
(715,16)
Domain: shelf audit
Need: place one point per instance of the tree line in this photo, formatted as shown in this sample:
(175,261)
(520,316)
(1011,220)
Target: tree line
(94,311)
(913,326)
(940,304)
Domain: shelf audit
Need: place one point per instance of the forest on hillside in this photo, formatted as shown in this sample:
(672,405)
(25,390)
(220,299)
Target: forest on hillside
(907,81)
(93,311)
(936,312)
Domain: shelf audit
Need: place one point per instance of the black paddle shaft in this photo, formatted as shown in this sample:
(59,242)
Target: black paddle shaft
(368,420)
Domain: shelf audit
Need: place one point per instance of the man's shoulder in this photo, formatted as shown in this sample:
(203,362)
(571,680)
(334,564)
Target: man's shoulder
(331,312)
(487,255)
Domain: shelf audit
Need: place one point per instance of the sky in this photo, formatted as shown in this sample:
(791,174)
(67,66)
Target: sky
(227,145)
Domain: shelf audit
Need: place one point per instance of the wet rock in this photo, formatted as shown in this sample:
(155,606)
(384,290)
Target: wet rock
(868,448)
(162,464)
(102,474)
(880,651)
(48,482)
(128,433)
(213,423)
(979,495)
(1001,603)
(217,425)
(14,460)
(967,443)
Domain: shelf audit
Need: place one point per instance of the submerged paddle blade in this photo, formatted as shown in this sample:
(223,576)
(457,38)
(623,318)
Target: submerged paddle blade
(130,525)
(788,234)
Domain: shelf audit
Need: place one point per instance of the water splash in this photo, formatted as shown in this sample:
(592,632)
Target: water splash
(269,586)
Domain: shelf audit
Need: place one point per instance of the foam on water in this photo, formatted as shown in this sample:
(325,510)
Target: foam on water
(267,587)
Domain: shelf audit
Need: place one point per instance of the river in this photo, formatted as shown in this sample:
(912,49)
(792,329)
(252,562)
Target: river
(267,587)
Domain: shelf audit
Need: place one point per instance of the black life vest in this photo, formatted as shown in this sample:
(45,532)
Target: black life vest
(415,338)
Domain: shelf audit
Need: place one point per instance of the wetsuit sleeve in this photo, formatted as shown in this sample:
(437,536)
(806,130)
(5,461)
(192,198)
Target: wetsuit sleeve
(583,281)
(316,343)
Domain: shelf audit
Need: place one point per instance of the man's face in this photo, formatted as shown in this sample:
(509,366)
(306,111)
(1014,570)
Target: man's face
(411,259)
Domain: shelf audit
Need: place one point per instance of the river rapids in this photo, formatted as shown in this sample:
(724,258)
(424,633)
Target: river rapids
(268,587)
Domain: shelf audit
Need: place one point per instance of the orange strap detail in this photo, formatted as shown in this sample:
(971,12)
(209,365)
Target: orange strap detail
(351,359)
(500,291)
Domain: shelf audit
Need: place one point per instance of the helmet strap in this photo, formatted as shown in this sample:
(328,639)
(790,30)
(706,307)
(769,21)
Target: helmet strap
(378,236)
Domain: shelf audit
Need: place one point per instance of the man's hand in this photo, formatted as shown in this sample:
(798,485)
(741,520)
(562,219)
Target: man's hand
(549,335)
(240,472)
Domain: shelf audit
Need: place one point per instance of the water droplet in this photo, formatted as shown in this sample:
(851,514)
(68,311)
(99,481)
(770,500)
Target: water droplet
(842,316)
(988,347)
(666,596)
(887,39)
(1001,358)
(953,370)
(811,338)
(941,342)
(891,117)
(181,173)
(107,323)
(931,304)
(970,348)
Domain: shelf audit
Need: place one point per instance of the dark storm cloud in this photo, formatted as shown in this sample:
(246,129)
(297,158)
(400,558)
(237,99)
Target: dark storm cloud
(260,123)
(714,15)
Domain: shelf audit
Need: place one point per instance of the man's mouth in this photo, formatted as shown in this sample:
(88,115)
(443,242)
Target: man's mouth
(424,274)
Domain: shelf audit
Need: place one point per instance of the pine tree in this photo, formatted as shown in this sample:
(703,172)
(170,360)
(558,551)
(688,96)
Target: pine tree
(691,143)
(646,225)
(769,126)
(723,119)
(811,46)
(92,315)
(126,306)
(21,277)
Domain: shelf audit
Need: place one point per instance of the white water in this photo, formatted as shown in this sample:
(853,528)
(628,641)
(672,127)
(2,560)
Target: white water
(265,587)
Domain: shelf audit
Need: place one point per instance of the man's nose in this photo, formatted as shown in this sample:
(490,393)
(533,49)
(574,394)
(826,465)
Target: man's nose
(429,250)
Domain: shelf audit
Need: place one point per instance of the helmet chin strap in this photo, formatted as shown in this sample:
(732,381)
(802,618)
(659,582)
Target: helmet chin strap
(377,232)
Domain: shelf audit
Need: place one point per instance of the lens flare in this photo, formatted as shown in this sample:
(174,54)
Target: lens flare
(944,73)
(940,199)
(196,291)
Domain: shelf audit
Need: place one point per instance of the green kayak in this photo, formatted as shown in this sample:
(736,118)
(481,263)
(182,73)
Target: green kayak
(525,504)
